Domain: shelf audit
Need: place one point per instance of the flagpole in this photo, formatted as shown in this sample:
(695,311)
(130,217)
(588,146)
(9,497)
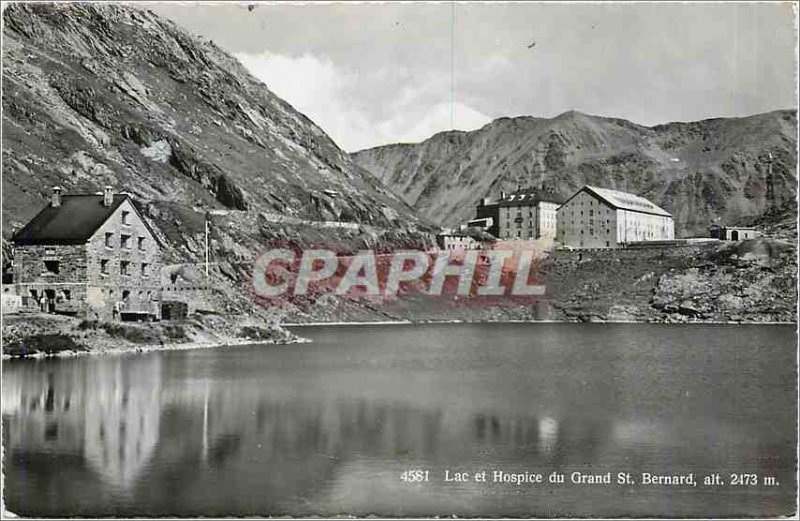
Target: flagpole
(206,230)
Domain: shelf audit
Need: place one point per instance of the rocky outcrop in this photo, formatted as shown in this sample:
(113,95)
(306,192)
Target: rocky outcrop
(700,171)
(747,281)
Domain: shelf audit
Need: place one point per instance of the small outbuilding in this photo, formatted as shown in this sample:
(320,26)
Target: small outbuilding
(733,233)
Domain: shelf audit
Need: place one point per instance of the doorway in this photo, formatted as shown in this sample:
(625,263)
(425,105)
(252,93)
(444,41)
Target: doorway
(50,295)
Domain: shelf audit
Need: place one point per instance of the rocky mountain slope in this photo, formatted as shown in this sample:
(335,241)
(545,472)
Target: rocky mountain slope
(101,94)
(700,171)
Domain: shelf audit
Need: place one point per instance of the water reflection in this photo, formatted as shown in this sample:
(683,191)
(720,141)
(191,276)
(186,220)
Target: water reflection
(108,412)
(236,433)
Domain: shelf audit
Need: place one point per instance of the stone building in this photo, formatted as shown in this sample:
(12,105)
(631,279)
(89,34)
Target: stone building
(89,255)
(527,214)
(460,240)
(601,218)
(482,223)
(489,209)
(733,233)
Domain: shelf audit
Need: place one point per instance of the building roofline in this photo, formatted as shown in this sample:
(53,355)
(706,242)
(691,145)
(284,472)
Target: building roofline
(17,240)
(590,189)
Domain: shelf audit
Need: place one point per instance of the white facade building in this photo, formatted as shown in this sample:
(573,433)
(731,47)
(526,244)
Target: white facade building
(458,241)
(601,218)
(527,215)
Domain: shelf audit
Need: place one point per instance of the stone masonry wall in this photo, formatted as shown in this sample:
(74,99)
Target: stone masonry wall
(67,287)
(140,287)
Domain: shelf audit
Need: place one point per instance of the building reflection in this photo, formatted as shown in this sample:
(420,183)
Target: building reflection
(231,433)
(105,411)
(122,418)
(196,442)
(47,406)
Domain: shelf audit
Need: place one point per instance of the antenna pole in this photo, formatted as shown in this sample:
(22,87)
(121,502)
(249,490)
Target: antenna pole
(206,230)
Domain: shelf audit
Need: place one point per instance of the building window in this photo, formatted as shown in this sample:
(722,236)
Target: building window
(109,239)
(104,266)
(145,269)
(140,243)
(52,266)
(123,267)
(125,241)
(67,294)
(607,244)
(126,217)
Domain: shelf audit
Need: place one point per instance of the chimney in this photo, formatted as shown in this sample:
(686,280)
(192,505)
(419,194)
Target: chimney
(108,195)
(55,199)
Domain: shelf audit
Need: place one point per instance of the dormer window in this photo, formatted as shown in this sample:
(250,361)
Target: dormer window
(126,217)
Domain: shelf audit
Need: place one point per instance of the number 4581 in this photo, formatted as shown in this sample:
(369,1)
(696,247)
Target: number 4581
(414,476)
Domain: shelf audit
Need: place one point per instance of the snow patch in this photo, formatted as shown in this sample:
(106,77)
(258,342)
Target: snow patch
(160,151)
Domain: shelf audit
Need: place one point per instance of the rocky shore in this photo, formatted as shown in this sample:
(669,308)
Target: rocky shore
(751,281)
(40,335)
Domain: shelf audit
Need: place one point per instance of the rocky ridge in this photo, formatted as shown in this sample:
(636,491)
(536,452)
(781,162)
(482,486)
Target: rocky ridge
(702,172)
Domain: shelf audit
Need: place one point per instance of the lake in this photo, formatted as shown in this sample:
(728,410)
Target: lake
(334,426)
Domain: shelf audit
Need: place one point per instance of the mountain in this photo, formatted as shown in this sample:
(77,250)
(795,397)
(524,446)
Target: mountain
(700,171)
(101,94)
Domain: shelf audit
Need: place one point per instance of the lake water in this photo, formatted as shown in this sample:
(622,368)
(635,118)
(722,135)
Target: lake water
(330,427)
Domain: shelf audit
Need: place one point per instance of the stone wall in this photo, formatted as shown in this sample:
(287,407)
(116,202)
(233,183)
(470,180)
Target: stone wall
(642,251)
(587,222)
(29,264)
(140,287)
(66,288)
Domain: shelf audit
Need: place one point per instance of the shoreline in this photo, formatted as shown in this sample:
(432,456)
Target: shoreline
(148,348)
(520,321)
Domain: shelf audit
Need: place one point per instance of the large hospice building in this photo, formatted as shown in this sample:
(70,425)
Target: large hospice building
(527,214)
(602,218)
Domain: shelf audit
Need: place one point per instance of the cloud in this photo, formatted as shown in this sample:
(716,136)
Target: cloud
(439,117)
(362,109)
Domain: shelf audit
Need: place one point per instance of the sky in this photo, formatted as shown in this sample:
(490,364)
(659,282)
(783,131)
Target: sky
(377,73)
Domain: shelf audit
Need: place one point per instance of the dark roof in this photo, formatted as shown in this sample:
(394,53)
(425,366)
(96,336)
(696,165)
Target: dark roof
(73,222)
(530,197)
